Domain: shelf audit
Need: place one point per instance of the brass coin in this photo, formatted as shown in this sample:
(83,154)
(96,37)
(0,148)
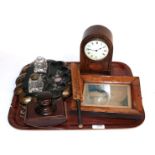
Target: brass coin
(66,92)
(20,78)
(34,76)
(18,91)
(19,85)
(22,75)
(24,70)
(25,100)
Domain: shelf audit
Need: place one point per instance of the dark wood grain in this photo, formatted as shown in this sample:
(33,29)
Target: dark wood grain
(102,66)
(76,82)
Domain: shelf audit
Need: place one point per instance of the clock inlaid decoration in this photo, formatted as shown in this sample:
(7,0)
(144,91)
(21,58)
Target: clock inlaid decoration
(94,93)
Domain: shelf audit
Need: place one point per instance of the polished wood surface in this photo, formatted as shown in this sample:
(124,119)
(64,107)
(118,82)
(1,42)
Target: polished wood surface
(102,66)
(58,116)
(76,82)
(133,82)
(89,118)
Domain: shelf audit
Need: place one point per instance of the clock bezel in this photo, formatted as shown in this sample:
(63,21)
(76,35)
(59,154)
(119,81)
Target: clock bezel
(96,39)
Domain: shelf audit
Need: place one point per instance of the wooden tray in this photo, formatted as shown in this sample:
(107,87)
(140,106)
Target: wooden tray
(89,118)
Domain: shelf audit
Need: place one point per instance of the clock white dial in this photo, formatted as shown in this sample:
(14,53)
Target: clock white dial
(96,49)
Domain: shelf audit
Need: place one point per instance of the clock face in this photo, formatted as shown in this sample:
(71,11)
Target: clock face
(96,49)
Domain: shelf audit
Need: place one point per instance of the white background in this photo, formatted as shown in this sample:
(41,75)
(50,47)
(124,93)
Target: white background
(54,29)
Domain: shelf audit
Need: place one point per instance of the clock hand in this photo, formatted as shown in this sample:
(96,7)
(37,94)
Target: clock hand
(95,50)
(99,49)
(90,49)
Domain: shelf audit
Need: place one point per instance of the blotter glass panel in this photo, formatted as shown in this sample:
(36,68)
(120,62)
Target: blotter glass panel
(108,95)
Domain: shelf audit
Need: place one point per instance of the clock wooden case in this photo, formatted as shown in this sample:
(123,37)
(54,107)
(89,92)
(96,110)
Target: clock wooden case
(101,66)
